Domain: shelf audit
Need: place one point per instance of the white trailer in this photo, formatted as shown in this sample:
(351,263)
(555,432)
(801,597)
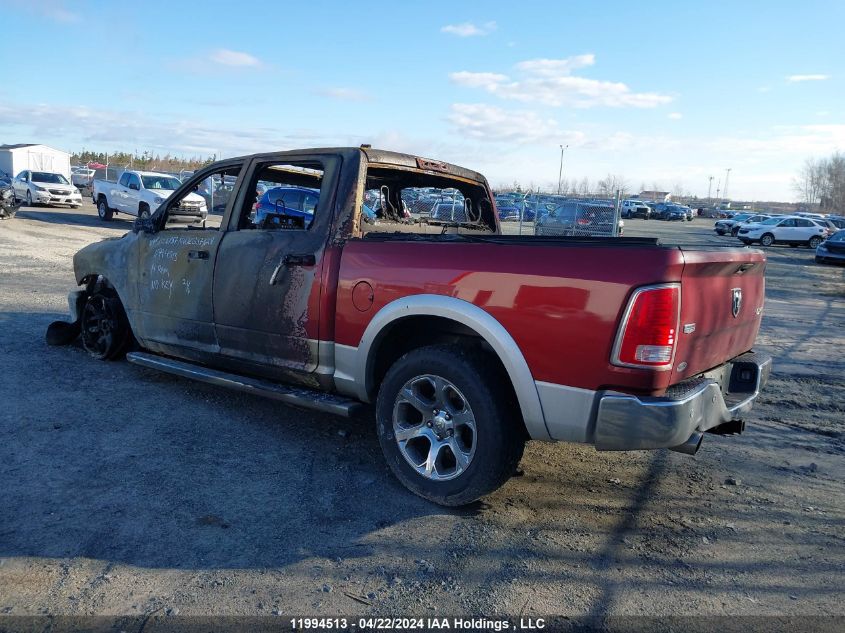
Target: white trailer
(16,158)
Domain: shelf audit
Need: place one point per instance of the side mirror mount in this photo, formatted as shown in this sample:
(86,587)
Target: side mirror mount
(144,225)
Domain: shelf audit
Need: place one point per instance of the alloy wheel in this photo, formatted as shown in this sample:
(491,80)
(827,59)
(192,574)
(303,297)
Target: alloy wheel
(434,427)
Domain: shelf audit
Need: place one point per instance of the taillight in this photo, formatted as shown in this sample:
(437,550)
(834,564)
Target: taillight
(649,330)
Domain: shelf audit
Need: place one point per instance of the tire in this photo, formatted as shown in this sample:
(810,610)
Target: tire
(767,239)
(814,242)
(104,326)
(28,198)
(103,210)
(451,399)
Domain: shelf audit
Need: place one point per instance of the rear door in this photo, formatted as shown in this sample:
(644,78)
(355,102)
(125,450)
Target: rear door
(722,294)
(805,229)
(267,276)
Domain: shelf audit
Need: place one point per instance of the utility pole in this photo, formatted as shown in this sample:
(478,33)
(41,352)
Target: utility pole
(709,189)
(560,173)
(727,175)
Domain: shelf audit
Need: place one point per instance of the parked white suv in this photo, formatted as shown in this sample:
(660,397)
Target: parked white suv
(43,187)
(784,230)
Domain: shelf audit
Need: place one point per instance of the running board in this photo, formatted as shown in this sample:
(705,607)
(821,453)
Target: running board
(298,396)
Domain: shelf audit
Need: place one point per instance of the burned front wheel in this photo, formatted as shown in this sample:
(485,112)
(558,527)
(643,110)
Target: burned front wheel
(447,424)
(104,327)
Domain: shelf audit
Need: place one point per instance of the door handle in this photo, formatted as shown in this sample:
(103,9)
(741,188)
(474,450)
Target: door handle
(299,260)
(197,254)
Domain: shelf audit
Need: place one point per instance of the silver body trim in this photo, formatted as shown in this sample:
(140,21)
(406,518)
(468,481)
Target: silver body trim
(615,421)
(351,363)
(568,412)
(307,398)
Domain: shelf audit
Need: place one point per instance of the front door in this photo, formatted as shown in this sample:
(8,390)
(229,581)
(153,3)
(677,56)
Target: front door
(267,276)
(176,272)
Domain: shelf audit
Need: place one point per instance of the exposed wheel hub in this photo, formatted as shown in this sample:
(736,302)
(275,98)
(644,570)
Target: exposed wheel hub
(441,422)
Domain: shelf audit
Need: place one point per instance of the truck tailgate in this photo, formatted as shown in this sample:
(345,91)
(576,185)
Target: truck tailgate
(722,294)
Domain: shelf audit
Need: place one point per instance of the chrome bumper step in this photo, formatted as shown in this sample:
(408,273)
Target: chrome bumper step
(297,396)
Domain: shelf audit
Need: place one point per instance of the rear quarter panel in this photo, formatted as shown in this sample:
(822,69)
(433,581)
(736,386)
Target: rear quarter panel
(561,304)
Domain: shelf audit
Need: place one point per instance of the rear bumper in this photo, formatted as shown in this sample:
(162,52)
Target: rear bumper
(625,422)
(615,421)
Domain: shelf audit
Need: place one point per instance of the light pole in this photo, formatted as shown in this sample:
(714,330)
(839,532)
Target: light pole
(560,173)
(727,175)
(709,190)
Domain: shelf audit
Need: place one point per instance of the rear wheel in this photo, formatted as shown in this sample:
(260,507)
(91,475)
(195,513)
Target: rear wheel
(815,241)
(447,426)
(767,239)
(103,210)
(104,327)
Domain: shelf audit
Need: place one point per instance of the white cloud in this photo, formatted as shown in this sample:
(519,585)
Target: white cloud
(555,67)
(489,123)
(78,126)
(676,115)
(789,140)
(468,29)
(477,80)
(344,94)
(226,57)
(551,82)
(797,78)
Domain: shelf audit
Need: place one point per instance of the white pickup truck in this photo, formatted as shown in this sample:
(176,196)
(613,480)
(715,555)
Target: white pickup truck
(140,193)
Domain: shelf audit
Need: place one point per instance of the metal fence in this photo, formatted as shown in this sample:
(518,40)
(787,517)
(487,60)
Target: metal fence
(549,214)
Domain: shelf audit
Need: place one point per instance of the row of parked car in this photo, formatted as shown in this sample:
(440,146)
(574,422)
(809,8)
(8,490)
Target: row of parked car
(824,233)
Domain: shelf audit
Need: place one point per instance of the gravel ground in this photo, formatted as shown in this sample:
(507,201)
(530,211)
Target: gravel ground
(128,492)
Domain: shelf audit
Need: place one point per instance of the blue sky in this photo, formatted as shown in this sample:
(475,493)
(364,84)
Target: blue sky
(659,94)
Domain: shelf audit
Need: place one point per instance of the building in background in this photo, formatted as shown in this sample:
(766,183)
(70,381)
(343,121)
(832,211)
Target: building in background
(657,196)
(16,158)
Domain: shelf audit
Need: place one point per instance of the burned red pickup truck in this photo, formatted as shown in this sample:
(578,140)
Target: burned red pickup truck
(316,287)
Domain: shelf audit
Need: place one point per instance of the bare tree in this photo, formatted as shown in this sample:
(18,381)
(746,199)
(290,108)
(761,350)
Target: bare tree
(822,182)
(610,184)
(808,184)
(584,186)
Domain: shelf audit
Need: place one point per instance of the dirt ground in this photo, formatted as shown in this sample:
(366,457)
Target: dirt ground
(127,492)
